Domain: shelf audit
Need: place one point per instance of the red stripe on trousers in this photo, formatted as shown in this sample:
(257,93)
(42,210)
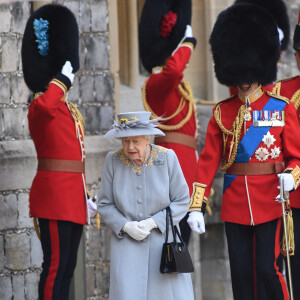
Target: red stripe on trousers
(277,253)
(54,263)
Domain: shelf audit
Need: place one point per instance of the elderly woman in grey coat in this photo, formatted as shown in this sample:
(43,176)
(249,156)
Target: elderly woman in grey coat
(138,182)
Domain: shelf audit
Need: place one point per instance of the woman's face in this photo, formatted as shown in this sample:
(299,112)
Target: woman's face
(135,147)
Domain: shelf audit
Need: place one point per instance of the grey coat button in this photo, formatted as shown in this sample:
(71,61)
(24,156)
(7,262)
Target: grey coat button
(139,187)
(141,214)
(138,173)
(139,201)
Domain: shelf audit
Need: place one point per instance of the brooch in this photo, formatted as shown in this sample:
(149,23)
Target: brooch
(158,162)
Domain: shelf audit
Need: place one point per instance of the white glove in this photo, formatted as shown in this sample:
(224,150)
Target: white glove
(188,31)
(67,71)
(137,233)
(288,181)
(92,207)
(147,224)
(196,221)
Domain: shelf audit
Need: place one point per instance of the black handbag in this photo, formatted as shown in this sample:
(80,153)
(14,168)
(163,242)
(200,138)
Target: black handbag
(175,256)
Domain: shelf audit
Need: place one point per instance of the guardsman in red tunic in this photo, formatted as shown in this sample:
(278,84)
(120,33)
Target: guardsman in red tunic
(290,88)
(166,44)
(277,8)
(254,138)
(58,193)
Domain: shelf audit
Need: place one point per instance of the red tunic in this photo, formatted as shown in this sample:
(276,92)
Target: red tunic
(163,96)
(288,88)
(56,195)
(249,200)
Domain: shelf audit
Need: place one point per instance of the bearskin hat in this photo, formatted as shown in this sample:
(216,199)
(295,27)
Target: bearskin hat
(278,10)
(51,38)
(245,46)
(296,39)
(162,26)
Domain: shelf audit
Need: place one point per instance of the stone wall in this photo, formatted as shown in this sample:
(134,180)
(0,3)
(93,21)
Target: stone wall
(93,92)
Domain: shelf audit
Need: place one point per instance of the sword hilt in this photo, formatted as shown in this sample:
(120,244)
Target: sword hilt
(284,195)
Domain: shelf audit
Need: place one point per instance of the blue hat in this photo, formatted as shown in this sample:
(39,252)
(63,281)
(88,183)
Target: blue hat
(134,124)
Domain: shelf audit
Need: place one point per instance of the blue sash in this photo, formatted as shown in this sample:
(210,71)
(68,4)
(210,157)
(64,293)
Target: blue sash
(252,139)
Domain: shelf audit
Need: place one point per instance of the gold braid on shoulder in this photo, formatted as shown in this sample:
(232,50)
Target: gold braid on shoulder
(78,118)
(235,132)
(296,99)
(186,94)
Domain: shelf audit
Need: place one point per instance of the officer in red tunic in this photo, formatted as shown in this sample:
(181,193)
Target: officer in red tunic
(290,88)
(251,135)
(166,44)
(58,193)
(277,8)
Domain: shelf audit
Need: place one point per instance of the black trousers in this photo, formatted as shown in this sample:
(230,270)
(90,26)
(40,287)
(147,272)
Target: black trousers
(60,241)
(267,252)
(295,259)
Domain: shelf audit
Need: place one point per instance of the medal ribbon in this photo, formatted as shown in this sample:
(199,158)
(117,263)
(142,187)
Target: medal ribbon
(252,139)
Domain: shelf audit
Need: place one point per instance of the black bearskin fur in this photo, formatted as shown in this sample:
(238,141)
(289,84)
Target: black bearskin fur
(245,46)
(63,45)
(296,39)
(278,10)
(154,49)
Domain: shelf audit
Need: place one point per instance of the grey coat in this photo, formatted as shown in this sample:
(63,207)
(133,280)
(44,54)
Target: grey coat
(132,193)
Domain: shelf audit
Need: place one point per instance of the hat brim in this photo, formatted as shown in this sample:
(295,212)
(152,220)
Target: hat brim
(128,132)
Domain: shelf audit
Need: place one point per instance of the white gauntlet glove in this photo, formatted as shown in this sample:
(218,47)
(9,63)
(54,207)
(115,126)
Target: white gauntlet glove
(288,181)
(196,221)
(147,224)
(188,32)
(133,229)
(92,207)
(67,71)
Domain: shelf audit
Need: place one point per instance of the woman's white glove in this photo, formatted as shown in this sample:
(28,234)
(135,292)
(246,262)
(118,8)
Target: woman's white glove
(147,224)
(67,71)
(133,229)
(196,221)
(92,207)
(288,181)
(188,32)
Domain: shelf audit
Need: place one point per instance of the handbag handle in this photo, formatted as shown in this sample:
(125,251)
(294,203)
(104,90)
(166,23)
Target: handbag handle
(174,228)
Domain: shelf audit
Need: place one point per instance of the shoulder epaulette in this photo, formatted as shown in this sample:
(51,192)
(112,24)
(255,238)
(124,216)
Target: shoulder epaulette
(225,100)
(288,78)
(278,97)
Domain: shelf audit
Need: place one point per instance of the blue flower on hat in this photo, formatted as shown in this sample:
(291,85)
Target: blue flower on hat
(41,27)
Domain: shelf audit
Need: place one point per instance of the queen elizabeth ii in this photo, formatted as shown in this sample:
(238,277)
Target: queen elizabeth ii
(138,183)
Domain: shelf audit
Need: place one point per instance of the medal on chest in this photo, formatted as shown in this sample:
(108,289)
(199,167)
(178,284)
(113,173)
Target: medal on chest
(266,118)
(261,154)
(268,139)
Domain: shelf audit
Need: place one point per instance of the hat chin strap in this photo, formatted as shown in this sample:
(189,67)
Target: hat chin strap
(250,86)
